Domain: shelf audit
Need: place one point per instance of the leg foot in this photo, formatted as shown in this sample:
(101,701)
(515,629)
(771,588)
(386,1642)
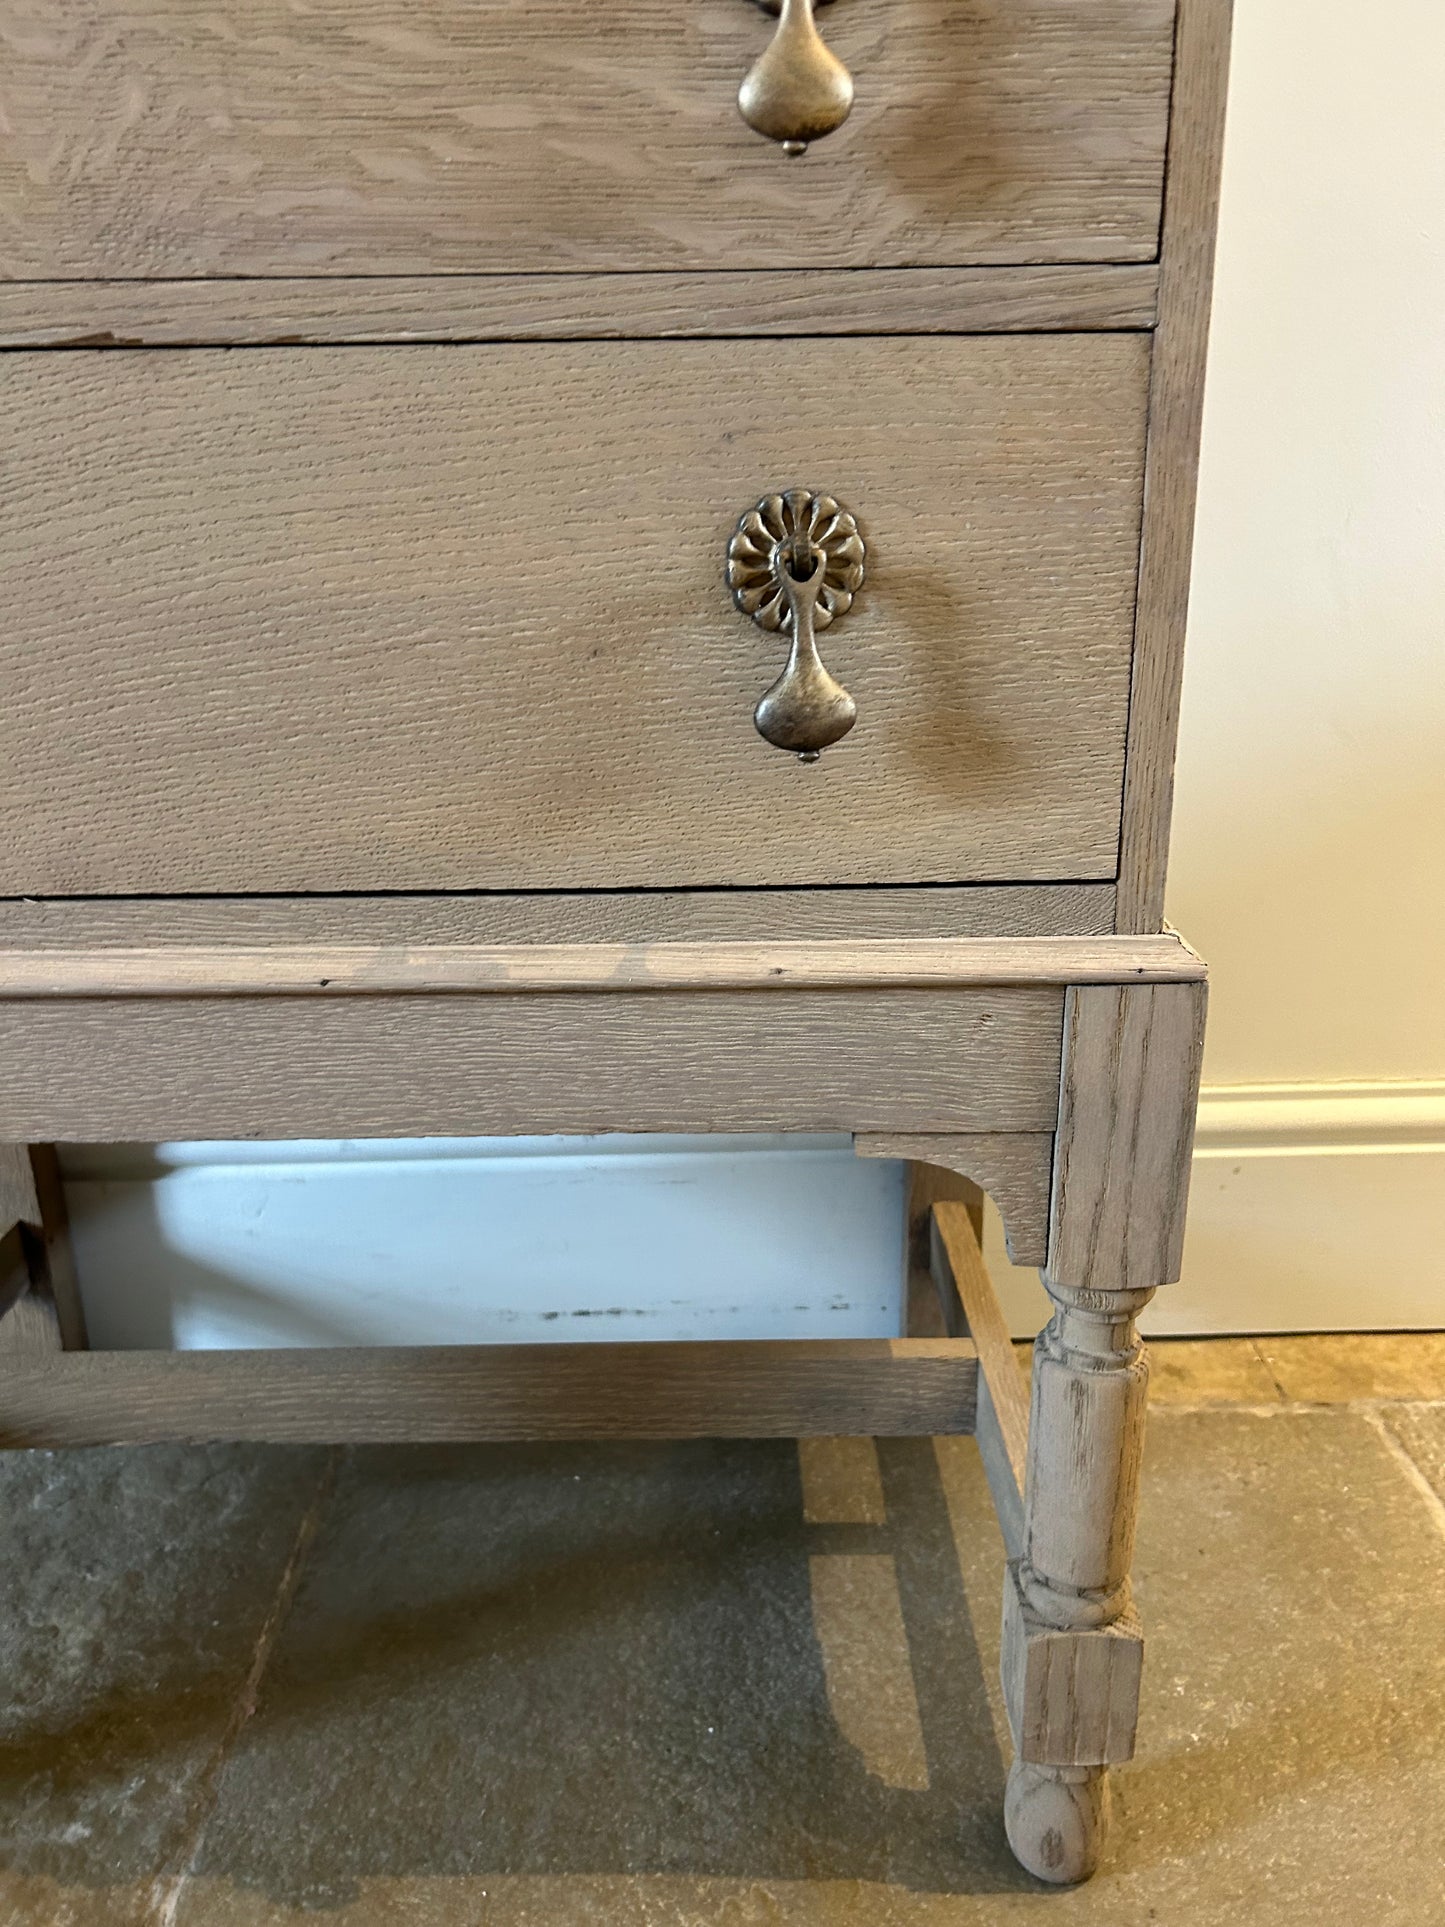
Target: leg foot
(1057,1818)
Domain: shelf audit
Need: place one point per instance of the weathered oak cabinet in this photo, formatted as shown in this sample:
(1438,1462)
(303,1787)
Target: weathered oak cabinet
(537,601)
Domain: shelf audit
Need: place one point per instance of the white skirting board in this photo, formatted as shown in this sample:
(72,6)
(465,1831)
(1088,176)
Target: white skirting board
(1313,1208)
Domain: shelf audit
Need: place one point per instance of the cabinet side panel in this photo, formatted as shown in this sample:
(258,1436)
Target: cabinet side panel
(1175,403)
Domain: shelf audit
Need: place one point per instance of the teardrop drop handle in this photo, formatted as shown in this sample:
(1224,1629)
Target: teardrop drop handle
(806,709)
(799,90)
(795,562)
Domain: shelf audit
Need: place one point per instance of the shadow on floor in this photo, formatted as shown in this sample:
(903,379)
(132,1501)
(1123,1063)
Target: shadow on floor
(610,1659)
(525,1660)
(556,1685)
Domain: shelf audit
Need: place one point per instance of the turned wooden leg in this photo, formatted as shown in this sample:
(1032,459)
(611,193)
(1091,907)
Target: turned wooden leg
(1071,1640)
(1057,1819)
(1072,1647)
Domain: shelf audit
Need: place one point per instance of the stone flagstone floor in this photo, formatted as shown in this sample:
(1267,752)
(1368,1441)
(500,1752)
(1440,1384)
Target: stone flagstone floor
(733,1683)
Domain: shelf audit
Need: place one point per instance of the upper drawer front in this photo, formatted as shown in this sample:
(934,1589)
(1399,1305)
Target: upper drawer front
(421,618)
(259,137)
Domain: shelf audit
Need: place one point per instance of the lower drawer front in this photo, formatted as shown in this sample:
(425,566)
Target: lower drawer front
(420,618)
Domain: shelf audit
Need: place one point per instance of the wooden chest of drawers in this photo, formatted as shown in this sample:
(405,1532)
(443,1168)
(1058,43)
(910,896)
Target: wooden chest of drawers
(431,431)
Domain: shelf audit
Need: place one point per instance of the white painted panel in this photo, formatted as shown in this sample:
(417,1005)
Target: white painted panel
(199,1246)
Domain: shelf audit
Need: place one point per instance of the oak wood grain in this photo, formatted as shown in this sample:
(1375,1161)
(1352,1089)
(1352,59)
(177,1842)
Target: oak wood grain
(19,1202)
(1126,1131)
(1001,1423)
(14,1276)
(706,1389)
(539,307)
(1196,141)
(930,1304)
(984,1323)
(89,1070)
(1013,1169)
(440,618)
(158,138)
(1005,1479)
(337,970)
(1072,1693)
(578,916)
(40,1305)
(1071,1642)
(30,1327)
(1072,1645)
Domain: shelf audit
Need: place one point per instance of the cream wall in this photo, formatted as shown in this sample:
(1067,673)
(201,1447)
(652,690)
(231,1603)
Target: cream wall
(1309,846)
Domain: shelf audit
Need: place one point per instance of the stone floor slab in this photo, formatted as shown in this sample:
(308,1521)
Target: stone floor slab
(708,1683)
(1209,1371)
(1419,1432)
(1340,1367)
(133,1590)
(572,1660)
(562,1685)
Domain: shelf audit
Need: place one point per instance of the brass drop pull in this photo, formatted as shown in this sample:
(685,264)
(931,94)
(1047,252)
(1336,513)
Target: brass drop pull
(799,90)
(795,563)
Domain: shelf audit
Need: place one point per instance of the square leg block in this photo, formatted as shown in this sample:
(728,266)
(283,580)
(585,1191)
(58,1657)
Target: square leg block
(1072,1696)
